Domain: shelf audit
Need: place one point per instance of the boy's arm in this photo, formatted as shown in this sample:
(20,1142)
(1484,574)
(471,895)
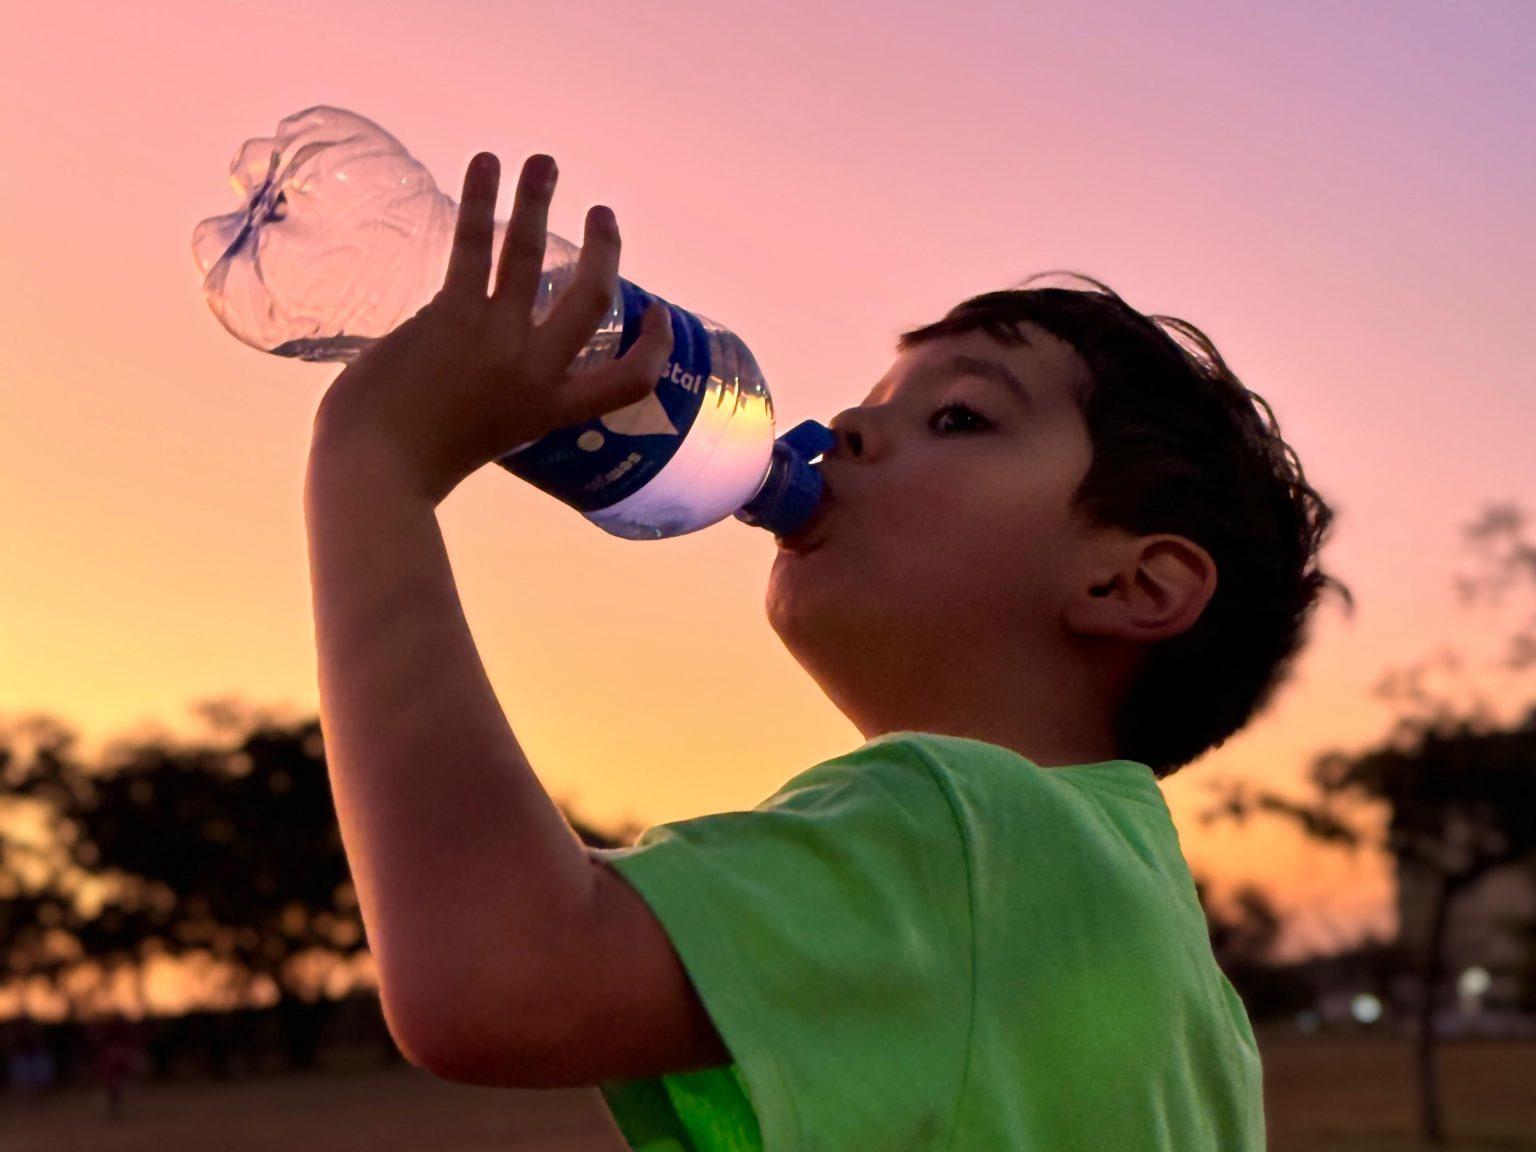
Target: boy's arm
(467,874)
(505,953)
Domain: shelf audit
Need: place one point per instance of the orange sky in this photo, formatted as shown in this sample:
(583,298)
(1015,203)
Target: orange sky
(1338,195)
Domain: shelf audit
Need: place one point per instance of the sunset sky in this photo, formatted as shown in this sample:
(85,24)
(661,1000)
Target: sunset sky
(1339,195)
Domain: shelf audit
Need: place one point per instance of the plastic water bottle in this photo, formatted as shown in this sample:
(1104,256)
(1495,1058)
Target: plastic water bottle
(343,235)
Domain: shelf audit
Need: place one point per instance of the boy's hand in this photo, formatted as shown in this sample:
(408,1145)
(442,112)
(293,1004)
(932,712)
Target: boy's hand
(470,376)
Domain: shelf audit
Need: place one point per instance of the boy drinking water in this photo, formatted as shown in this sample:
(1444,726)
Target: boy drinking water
(1060,558)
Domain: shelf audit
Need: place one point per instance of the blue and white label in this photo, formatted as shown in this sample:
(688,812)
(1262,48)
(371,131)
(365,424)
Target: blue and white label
(600,462)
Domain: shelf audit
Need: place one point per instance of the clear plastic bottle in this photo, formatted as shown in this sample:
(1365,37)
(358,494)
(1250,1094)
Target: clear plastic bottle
(342,235)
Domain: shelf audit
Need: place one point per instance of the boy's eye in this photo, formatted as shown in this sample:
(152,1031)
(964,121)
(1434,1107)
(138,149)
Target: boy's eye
(955,406)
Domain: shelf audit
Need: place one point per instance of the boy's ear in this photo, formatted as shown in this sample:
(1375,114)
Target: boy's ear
(1143,589)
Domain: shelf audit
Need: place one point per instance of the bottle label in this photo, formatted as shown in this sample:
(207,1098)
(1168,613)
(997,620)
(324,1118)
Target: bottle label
(597,463)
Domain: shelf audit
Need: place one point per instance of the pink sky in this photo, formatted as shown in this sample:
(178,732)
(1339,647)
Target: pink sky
(1339,196)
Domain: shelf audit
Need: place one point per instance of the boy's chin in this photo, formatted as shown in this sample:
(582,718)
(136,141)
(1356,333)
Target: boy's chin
(801,549)
(798,601)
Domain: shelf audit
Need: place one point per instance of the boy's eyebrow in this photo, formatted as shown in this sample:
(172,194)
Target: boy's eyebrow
(962,363)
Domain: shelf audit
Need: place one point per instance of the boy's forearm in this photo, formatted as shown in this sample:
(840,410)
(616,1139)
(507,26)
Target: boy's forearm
(465,869)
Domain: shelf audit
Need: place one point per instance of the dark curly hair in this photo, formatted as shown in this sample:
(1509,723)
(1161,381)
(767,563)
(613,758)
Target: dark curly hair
(1179,447)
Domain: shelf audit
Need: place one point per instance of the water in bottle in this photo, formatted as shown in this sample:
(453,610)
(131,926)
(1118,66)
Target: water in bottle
(342,235)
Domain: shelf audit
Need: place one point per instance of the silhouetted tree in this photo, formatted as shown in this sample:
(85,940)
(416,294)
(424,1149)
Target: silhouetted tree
(39,922)
(1457,792)
(228,847)
(235,849)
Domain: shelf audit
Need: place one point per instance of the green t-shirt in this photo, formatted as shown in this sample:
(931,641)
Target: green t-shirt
(933,943)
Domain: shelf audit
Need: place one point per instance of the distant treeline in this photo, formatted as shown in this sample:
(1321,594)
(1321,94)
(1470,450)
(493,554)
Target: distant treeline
(228,849)
(225,850)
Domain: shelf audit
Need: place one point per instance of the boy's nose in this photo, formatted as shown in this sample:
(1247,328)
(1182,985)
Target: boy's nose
(850,439)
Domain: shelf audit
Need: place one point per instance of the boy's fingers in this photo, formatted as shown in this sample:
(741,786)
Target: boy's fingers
(469,264)
(585,303)
(522,249)
(625,381)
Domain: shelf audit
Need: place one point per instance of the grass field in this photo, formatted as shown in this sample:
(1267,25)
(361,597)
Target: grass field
(1328,1095)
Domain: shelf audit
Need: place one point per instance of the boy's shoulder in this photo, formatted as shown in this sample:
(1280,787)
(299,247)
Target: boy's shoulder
(962,764)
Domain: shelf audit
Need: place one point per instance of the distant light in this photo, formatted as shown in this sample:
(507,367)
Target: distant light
(1474,982)
(1365,1008)
(1308,1021)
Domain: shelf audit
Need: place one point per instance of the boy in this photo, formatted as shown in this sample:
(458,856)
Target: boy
(974,931)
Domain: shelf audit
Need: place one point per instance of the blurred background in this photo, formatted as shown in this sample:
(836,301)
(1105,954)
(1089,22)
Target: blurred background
(1337,194)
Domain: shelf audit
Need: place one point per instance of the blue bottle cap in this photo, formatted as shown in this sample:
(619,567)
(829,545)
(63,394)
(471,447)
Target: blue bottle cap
(792,490)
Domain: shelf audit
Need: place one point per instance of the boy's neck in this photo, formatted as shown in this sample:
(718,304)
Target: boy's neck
(1047,750)
(1053,703)
(1053,717)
